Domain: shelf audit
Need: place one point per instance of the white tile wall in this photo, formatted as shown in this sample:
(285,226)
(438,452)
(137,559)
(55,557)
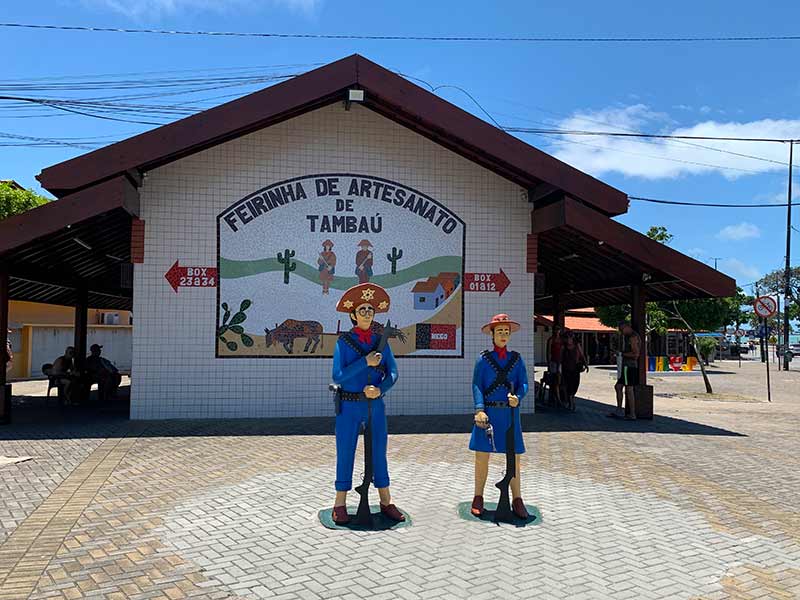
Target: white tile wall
(176,374)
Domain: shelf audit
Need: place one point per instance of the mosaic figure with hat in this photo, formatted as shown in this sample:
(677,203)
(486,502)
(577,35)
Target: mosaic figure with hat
(326,263)
(364,261)
(363,376)
(499,382)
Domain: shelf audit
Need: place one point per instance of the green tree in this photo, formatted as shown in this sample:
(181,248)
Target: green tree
(14,201)
(659,233)
(702,314)
(773,284)
(705,347)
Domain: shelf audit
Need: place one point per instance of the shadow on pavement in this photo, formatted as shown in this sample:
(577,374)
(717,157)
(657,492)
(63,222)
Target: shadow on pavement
(31,419)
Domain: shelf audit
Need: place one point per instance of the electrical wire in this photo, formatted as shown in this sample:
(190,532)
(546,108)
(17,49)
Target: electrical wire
(417,38)
(711,204)
(647,140)
(646,135)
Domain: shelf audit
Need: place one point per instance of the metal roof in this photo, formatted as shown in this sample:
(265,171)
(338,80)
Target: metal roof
(591,260)
(81,240)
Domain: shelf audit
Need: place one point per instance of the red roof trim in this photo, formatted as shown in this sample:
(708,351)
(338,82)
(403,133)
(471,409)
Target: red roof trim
(69,210)
(654,255)
(386,93)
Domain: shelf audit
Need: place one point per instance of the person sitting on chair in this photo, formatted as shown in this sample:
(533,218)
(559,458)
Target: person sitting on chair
(66,374)
(103,372)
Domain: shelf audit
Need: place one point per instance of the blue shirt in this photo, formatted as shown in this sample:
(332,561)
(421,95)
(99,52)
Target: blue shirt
(484,375)
(352,372)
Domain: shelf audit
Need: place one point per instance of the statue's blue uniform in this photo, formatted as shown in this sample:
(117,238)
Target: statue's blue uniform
(351,372)
(499,416)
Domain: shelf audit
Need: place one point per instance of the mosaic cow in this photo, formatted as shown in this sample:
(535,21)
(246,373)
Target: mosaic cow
(291,329)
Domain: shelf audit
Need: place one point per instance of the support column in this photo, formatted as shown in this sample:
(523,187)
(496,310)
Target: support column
(81,326)
(5,400)
(639,324)
(558,312)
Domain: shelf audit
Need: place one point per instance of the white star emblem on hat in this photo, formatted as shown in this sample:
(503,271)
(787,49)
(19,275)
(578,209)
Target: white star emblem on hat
(383,305)
(347,304)
(367,294)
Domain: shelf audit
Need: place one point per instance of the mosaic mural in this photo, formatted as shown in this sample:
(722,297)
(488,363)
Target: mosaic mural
(288,251)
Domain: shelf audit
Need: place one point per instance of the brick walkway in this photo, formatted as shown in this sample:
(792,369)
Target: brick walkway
(704,502)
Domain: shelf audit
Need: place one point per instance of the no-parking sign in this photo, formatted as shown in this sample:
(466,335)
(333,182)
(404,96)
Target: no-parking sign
(765,306)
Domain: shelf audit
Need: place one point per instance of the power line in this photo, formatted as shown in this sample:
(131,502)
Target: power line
(710,204)
(653,156)
(645,140)
(645,135)
(417,38)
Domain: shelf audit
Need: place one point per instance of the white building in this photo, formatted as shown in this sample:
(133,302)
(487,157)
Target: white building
(224,214)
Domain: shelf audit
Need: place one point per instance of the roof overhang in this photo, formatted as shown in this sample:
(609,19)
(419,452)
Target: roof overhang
(589,260)
(385,92)
(81,241)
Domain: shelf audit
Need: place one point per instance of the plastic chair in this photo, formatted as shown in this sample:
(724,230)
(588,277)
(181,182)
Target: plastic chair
(52,382)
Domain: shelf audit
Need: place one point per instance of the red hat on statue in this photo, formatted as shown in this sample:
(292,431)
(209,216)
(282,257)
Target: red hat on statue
(364,293)
(501,319)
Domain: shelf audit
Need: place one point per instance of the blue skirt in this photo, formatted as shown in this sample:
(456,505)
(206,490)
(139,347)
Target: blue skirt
(499,419)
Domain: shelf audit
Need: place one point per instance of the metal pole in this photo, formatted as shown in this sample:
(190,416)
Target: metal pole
(787,290)
(5,398)
(761,353)
(769,390)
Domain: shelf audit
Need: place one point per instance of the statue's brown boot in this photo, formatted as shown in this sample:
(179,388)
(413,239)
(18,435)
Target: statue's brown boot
(390,510)
(340,516)
(518,506)
(477,506)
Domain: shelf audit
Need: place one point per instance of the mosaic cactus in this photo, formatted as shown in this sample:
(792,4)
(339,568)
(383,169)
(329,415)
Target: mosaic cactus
(288,264)
(394,257)
(233,325)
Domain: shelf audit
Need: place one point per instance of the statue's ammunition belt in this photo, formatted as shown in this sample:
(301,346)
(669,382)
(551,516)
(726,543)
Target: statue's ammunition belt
(496,403)
(352,396)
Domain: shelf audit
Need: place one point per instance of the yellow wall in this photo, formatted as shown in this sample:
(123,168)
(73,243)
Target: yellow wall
(20,313)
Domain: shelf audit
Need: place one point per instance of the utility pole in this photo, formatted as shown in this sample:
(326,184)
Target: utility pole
(715,259)
(787,290)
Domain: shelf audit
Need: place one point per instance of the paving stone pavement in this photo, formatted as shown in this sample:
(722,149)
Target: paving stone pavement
(702,503)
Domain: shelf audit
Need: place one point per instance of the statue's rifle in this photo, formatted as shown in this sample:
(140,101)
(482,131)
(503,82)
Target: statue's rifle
(363,262)
(364,514)
(503,511)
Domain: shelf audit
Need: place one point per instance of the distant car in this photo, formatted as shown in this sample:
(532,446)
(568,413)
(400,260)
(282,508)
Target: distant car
(738,349)
(794,350)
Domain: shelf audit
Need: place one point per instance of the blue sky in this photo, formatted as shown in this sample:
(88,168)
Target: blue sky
(743,89)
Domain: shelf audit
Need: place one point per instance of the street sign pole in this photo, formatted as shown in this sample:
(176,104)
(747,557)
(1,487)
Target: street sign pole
(739,349)
(765,340)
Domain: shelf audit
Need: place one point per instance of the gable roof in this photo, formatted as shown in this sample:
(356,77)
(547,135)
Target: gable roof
(386,92)
(426,287)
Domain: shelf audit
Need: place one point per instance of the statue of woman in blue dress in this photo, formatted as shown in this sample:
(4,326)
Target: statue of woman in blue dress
(499,382)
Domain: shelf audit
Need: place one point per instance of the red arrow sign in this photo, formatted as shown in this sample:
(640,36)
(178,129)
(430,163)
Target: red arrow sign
(191,276)
(486,282)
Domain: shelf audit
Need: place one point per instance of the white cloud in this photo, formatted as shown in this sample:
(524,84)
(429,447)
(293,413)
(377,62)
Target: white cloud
(741,231)
(696,252)
(742,272)
(155,9)
(666,159)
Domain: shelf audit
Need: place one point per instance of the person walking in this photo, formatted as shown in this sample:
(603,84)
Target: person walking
(629,376)
(573,362)
(554,346)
